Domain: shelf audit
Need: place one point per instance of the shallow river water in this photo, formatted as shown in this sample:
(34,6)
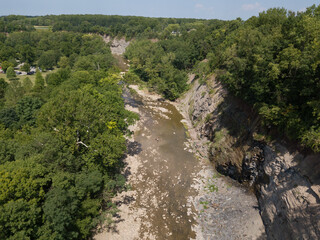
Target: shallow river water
(166,174)
(168,197)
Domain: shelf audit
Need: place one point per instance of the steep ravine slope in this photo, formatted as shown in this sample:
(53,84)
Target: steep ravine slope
(286,181)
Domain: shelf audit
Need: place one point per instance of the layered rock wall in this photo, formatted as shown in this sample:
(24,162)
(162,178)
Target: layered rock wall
(286,181)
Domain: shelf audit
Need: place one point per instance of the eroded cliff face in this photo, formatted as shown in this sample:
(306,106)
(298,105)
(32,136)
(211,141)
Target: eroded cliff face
(286,181)
(118,46)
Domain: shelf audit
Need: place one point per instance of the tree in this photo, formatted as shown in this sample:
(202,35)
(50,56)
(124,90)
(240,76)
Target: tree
(60,207)
(26,109)
(27,84)
(64,62)
(55,79)
(48,59)
(90,121)
(5,65)
(23,184)
(8,117)
(27,54)
(14,92)
(11,73)
(39,82)
(171,29)
(25,67)
(3,86)
(23,179)
(85,63)
(19,219)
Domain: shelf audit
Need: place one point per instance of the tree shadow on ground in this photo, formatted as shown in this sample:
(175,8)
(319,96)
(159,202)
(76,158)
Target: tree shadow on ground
(133,148)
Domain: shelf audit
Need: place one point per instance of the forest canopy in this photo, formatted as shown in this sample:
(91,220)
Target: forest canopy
(62,137)
(62,130)
(271,61)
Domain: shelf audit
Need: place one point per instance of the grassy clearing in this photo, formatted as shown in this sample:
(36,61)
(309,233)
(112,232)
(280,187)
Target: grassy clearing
(31,77)
(43,28)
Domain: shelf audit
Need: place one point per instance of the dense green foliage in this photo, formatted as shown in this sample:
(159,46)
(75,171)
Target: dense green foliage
(14,23)
(61,141)
(10,73)
(155,66)
(46,49)
(164,64)
(273,62)
(128,26)
(62,136)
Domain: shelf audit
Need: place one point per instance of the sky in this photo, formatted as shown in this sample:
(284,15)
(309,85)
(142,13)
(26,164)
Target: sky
(206,9)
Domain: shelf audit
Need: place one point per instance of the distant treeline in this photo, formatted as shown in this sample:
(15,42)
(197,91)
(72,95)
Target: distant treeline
(127,26)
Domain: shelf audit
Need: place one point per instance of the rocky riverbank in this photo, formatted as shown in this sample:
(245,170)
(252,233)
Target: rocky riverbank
(285,180)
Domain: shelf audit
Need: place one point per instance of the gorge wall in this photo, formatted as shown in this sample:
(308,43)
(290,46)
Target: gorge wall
(286,181)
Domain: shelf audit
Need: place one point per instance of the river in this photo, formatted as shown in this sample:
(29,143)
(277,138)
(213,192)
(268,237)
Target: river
(174,194)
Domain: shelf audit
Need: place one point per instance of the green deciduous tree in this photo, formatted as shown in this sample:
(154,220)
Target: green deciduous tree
(48,59)
(8,117)
(63,62)
(25,67)
(14,92)
(11,73)
(5,65)
(27,85)
(3,86)
(39,82)
(26,109)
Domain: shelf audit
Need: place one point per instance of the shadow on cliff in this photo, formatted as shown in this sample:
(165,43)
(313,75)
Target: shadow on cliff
(239,119)
(230,130)
(309,166)
(236,153)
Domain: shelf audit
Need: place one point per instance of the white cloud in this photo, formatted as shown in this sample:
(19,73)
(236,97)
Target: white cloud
(199,6)
(302,10)
(203,10)
(253,6)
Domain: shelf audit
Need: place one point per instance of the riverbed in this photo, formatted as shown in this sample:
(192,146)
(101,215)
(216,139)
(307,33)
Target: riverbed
(175,192)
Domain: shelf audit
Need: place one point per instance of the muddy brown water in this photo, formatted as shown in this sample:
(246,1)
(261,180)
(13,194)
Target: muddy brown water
(170,196)
(167,173)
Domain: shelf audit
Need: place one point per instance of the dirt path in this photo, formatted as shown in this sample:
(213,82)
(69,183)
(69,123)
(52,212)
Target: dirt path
(174,195)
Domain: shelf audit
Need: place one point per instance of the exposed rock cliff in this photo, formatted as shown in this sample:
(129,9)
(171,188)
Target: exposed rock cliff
(117,46)
(286,181)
